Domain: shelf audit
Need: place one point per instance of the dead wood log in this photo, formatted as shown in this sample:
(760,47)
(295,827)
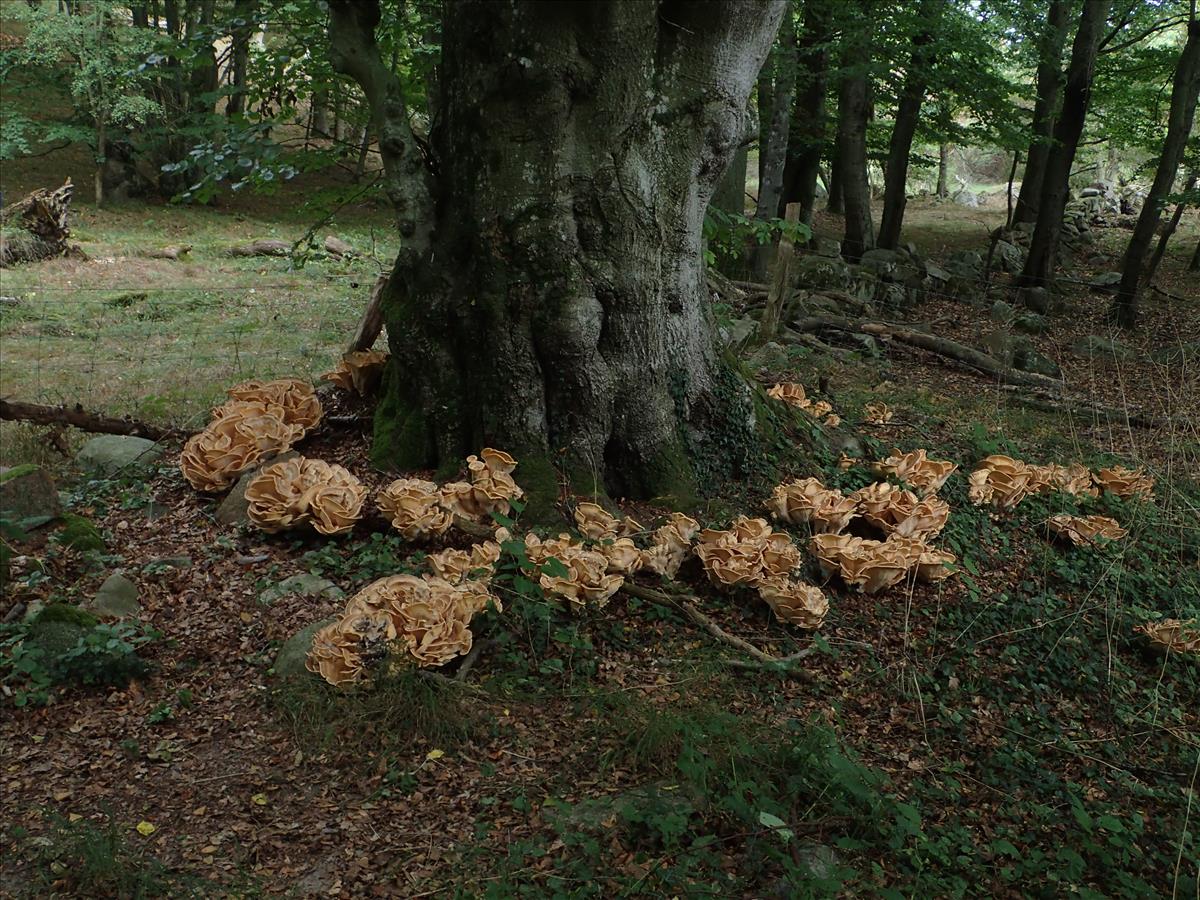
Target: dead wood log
(768,325)
(335,246)
(262,248)
(78,417)
(371,323)
(35,227)
(173,252)
(931,343)
(1084,408)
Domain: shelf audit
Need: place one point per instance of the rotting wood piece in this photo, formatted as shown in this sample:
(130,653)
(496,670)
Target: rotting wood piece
(80,418)
(262,248)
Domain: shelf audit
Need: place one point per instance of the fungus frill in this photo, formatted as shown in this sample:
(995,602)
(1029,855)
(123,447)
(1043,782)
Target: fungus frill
(670,544)
(297,399)
(866,565)
(478,563)
(296,491)
(1001,481)
(586,582)
(877,413)
(790,393)
(213,459)
(624,557)
(901,512)
(415,508)
(426,618)
(794,602)
(490,490)
(595,522)
(1086,530)
(925,474)
(1172,635)
(747,553)
(1126,482)
(807,501)
(358,371)
(1074,479)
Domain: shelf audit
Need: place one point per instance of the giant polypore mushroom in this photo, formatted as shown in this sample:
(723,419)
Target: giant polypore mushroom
(897,511)
(586,581)
(925,474)
(1086,530)
(806,501)
(794,602)
(296,398)
(358,371)
(670,544)
(1173,635)
(1001,481)
(415,508)
(746,553)
(1125,482)
(213,459)
(299,490)
(491,488)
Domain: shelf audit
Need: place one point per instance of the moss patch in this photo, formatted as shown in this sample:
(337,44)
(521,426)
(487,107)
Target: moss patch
(79,534)
(401,438)
(18,472)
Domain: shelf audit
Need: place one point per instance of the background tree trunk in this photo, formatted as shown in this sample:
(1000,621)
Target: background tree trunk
(1043,247)
(908,112)
(943,178)
(1172,224)
(806,138)
(1179,125)
(1194,265)
(837,195)
(854,105)
(242,28)
(773,154)
(1049,79)
(577,147)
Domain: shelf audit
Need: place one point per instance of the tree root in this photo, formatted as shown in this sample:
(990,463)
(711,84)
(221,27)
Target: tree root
(759,660)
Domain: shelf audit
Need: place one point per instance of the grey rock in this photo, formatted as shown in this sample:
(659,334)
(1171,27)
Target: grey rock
(1097,345)
(1002,313)
(769,356)
(1031,323)
(1106,282)
(935,272)
(232,510)
(289,662)
(1027,359)
(10,302)
(1001,345)
(738,331)
(117,598)
(114,454)
(1011,257)
(302,585)
(822,272)
(827,247)
(27,491)
(1036,299)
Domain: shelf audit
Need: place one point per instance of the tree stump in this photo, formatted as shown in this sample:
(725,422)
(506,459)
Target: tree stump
(36,227)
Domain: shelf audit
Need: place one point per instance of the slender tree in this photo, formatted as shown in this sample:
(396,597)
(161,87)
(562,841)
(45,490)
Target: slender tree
(1049,81)
(549,294)
(1184,90)
(1160,250)
(1043,248)
(854,109)
(807,136)
(773,153)
(908,112)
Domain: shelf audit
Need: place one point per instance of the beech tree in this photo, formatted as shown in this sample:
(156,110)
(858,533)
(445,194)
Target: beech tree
(549,294)
(854,109)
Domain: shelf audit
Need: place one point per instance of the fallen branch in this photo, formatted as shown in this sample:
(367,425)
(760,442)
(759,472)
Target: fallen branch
(174,252)
(471,658)
(371,323)
(1122,416)
(933,344)
(262,248)
(687,604)
(78,417)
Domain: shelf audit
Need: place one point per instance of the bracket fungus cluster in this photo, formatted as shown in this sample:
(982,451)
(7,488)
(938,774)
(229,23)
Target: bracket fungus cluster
(894,510)
(1172,635)
(422,509)
(793,395)
(806,501)
(877,413)
(751,554)
(1085,530)
(300,491)
(870,566)
(1126,482)
(670,545)
(424,619)
(358,371)
(262,418)
(917,469)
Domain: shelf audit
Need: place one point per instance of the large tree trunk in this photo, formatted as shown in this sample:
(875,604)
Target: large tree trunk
(730,194)
(1179,125)
(549,297)
(35,227)
(854,106)
(241,30)
(837,182)
(806,137)
(908,112)
(1043,248)
(1049,80)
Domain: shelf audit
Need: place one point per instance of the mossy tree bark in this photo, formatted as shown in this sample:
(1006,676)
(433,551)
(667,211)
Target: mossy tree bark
(549,296)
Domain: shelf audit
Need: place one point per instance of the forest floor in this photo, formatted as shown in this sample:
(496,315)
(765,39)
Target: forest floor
(1001,733)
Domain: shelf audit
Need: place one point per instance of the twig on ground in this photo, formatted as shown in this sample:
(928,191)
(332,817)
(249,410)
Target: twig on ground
(471,658)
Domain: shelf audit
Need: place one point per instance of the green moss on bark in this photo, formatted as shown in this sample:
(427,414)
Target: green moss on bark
(401,438)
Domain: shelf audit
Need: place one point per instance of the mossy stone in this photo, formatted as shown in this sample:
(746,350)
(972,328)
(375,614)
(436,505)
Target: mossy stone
(289,662)
(79,534)
(57,628)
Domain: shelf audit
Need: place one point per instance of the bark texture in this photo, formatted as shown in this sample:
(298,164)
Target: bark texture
(549,298)
(1043,247)
(908,113)
(854,108)
(35,227)
(1049,82)
(1184,91)
(807,135)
